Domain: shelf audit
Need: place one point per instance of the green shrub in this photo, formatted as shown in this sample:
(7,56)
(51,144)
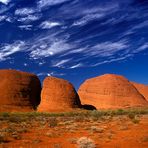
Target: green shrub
(5,114)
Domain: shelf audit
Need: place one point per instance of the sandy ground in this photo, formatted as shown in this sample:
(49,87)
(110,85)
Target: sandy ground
(64,132)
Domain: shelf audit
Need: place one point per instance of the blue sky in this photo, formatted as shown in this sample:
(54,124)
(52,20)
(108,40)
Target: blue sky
(75,39)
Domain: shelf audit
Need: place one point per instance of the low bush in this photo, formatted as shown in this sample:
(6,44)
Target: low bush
(85,142)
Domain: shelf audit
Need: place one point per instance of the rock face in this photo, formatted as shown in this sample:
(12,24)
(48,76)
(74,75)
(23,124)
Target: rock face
(143,89)
(58,95)
(19,91)
(110,91)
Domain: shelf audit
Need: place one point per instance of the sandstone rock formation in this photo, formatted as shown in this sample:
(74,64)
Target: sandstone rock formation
(143,89)
(58,95)
(19,91)
(110,91)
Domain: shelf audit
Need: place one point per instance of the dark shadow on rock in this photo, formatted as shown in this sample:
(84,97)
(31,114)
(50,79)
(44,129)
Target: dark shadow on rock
(89,107)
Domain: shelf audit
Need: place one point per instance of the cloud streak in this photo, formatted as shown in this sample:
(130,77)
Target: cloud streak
(29,18)
(108,48)
(5,1)
(53,48)
(49,24)
(46,3)
(74,34)
(24,11)
(9,49)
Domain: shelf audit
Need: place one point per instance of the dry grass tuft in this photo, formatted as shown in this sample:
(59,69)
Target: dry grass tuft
(85,142)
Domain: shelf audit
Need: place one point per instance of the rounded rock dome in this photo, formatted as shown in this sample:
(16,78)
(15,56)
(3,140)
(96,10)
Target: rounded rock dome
(110,91)
(58,95)
(19,91)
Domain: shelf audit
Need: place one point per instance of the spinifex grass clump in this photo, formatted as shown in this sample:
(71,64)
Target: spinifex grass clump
(85,142)
(3,138)
(133,117)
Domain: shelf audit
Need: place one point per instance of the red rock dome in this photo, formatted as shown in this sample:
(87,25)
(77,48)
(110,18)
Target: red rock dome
(58,95)
(143,89)
(19,91)
(110,91)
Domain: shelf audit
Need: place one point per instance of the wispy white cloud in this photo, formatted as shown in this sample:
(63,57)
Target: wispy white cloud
(5,1)
(77,66)
(42,74)
(9,49)
(25,27)
(53,73)
(87,18)
(41,63)
(68,45)
(108,48)
(113,60)
(29,18)
(46,3)
(3,17)
(10,19)
(24,11)
(6,18)
(55,47)
(94,14)
(49,24)
(102,8)
(77,50)
(141,25)
(62,48)
(5,8)
(27,14)
(25,64)
(141,48)
(60,63)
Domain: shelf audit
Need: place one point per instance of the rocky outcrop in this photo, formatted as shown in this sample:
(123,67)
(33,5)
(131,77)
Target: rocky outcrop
(58,95)
(110,91)
(143,89)
(19,91)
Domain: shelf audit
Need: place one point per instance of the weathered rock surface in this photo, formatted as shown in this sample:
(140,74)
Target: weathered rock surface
(58,95)
(19,91)
(110,91)
(143,89)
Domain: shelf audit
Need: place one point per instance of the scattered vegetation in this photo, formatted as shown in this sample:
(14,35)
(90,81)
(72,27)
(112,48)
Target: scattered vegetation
(3,138)
(52,122)
(57,145)
(136,121)
(85,142)
(15,126)
(123,127)
(5,114)
(16,136)
(36,141)
(133,117)
(96,129)
(79,115)
(73,140)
